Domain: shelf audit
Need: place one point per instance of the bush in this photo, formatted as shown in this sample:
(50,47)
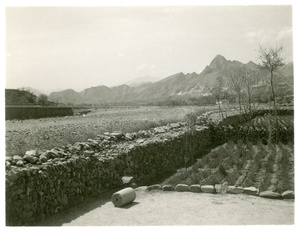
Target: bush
(42,100)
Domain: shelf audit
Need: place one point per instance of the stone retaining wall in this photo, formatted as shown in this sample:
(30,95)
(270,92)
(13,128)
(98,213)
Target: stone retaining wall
(41,184)
(27,112)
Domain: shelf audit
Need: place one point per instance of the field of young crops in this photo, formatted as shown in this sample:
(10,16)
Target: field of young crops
(265,121)
(267,167)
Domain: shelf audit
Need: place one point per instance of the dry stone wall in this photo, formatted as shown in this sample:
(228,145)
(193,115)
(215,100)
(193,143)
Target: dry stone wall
(41,184)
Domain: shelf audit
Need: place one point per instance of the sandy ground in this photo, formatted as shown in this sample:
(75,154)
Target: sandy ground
(160,208)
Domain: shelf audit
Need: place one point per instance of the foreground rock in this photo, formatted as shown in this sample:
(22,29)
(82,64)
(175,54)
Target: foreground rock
(221,188)
(182,188)
(154,187)
(251,191)
(207,189)
(270,194)
(289,194)
(196,188)
(235,190)
(168,187)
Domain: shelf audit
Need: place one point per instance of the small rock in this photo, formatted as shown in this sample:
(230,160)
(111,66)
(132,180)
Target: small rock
(30,158)
(43,158)
(17,157)
(127,179)
(168,187)
(129,136)
(88,153)
(207,189)
(195,188)
(141,188)
(251,191)
(64,199)
(235,190)
(154,187)
(31,152)
(20,163)
(9,158)
(270,194)
(133,185)
(289,194)
(52,154)
(117,134)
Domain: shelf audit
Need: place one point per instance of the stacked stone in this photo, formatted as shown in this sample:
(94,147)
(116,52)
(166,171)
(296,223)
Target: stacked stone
(43,183)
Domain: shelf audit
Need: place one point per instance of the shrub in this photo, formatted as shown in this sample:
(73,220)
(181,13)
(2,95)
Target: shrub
(222,170)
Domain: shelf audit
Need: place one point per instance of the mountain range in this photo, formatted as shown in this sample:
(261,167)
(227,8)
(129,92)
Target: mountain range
(179,85)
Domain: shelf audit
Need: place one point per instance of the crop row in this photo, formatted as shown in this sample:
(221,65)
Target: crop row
(266,167)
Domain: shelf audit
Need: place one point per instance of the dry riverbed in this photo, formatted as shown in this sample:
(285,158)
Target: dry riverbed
(47,133)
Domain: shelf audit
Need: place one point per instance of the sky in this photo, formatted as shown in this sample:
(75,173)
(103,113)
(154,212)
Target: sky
(57,48)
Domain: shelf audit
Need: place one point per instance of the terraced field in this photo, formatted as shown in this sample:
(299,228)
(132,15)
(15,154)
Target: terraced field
(267,167)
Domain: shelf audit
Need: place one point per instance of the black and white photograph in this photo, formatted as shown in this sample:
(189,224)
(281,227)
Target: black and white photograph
(155,114)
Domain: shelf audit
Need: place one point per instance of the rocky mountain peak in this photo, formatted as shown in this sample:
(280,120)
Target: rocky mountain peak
(218,62)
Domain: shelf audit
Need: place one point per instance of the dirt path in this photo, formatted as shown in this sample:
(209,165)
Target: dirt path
(175,208)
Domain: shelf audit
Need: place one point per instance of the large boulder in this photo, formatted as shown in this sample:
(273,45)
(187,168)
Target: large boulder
(195,188)
(270,194)
(182,188)
(207,188)
(289,194)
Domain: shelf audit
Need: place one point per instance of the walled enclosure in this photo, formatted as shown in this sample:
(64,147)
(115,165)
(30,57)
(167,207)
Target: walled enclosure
(27,112)
(43,183)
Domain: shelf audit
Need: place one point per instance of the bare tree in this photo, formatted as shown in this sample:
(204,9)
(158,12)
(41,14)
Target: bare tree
(271,59)
(218,93)
(235,86)
(245,87)
(250,83)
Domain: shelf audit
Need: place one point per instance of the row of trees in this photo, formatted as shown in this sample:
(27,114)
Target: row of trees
(247,89)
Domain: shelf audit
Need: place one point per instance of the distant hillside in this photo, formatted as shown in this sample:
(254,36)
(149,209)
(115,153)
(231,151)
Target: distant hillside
(142,80)
(19,97)
(179,85)
(32,90)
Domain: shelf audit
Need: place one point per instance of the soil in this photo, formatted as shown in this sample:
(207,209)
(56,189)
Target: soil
(158,208)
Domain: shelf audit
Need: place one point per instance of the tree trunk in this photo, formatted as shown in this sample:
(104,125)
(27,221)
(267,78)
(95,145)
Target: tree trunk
(249,100)
(240,103)
(274,104)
